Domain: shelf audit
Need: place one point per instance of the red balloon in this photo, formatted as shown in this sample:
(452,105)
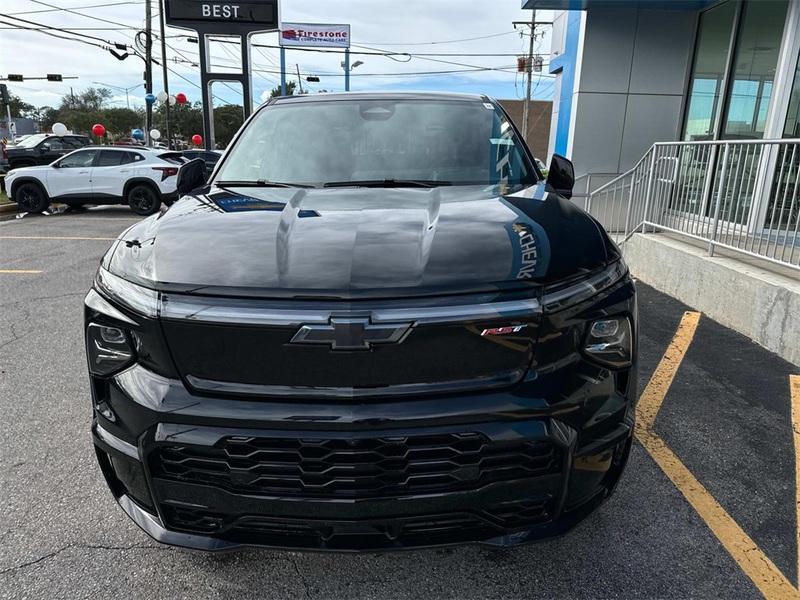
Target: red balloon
(180,97)
(99,130)
(197,139)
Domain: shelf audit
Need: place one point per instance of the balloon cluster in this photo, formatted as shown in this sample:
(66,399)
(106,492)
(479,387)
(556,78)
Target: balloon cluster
(164,98)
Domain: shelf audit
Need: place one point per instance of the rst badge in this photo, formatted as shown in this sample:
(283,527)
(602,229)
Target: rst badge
(503,330)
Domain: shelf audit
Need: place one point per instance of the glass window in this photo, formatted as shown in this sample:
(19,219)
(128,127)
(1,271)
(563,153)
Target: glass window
(755,60)
(32,141)
(347,141)
(55,144)
(792,127)
(110,158)
(82,158)
(708,71)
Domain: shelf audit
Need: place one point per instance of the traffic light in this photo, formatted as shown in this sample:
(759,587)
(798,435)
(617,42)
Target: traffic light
(54,77)
(15,77)
(4,99)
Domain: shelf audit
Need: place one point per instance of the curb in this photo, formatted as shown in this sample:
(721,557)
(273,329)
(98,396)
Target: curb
(8,208)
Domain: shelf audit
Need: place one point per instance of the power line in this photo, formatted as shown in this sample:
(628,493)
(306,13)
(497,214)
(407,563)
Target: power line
(42,26)
(75,12)
(57,9)
(483,37)
(61,37)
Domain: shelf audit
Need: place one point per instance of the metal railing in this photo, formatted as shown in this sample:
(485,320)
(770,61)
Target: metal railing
(742,195)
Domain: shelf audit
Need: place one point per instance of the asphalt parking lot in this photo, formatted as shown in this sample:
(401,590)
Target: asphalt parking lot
(707,507)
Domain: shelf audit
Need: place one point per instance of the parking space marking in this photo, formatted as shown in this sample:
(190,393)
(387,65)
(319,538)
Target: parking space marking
(19,271)
(54,237)
(751,559)
(794,394)
(653,395)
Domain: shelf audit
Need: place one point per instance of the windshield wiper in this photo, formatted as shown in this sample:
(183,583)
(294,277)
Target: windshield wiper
(262,183)
(388,183)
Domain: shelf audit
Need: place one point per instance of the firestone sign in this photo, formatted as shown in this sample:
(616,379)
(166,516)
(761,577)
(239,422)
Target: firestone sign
(315,36)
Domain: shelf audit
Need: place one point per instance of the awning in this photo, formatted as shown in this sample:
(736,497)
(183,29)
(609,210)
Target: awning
(587,4)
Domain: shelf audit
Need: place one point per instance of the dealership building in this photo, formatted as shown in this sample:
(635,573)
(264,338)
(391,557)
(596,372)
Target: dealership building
(630,73)
(682,119)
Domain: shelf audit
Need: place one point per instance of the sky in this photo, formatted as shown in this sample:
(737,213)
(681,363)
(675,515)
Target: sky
(397,25)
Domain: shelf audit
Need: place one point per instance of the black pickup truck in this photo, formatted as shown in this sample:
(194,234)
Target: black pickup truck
(43,148)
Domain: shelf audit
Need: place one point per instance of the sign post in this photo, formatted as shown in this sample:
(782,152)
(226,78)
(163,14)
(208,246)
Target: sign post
(228,18)
(314,35)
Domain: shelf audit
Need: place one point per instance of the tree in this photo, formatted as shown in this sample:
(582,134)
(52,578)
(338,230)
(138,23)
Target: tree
(227,121)
(184,120)
(290,87)
(19,108)
(91,99)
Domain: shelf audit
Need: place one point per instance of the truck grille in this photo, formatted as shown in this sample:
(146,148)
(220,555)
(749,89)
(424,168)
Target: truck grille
(419,530)
(355,467)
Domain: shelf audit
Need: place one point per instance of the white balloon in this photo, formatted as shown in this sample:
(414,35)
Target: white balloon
(172,100)
(155,134)
(60,129)
(162,96)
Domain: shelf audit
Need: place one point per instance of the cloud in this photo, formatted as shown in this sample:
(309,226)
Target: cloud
(381,24)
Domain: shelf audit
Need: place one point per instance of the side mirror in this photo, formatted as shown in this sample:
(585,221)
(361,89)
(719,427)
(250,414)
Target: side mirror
(191,176)
(561,175)
(44,148)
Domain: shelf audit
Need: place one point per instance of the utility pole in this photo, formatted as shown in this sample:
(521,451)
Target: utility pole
(148,68)
(299,80)
(166,74)
(529,69)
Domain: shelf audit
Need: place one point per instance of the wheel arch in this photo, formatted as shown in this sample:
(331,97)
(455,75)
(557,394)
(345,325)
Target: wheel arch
(140,181)
(28,179)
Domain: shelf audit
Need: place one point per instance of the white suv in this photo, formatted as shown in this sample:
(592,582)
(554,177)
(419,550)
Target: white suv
(140,177)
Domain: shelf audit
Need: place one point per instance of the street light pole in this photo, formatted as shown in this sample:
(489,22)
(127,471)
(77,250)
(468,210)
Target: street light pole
(119,87)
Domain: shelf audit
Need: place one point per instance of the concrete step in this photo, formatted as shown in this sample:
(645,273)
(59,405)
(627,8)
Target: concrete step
(755,298)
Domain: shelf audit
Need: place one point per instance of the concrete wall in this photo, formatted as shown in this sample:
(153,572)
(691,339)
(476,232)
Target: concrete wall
(538,135)
(760,304)
(632,72)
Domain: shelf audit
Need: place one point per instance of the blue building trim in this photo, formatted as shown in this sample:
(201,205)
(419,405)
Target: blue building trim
(566,64)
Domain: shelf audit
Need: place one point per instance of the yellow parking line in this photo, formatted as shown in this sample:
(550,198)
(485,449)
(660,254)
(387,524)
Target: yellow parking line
(53,237)
(19,271)
(756,565)
(794,393)
(750,558)
(653,395)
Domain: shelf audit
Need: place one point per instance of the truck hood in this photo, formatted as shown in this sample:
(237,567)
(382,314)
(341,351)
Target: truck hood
(347,242)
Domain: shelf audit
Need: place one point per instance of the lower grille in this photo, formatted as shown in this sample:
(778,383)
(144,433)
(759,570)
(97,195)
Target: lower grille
(424,530)
(355,467)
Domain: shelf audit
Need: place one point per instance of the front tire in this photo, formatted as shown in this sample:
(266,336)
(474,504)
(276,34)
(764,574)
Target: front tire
(143,200)
(31,198)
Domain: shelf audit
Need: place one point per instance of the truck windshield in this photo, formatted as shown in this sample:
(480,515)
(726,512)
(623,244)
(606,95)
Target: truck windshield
(379,143)
(32,141)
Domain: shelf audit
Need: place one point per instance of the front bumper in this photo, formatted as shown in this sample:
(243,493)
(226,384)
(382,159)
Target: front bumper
(193,509)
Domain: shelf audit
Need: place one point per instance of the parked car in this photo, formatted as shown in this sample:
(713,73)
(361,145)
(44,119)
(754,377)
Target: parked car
(209,157)
(43,149)
(375,327)
(139,177)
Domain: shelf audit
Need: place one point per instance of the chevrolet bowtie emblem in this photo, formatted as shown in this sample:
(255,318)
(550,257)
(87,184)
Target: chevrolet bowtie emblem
(351,333)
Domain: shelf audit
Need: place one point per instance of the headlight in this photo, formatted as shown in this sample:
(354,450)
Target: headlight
(560,296)
(610,342)
(141,300)
(108,349)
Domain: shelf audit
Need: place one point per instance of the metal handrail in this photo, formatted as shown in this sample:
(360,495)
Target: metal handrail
(743,195)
